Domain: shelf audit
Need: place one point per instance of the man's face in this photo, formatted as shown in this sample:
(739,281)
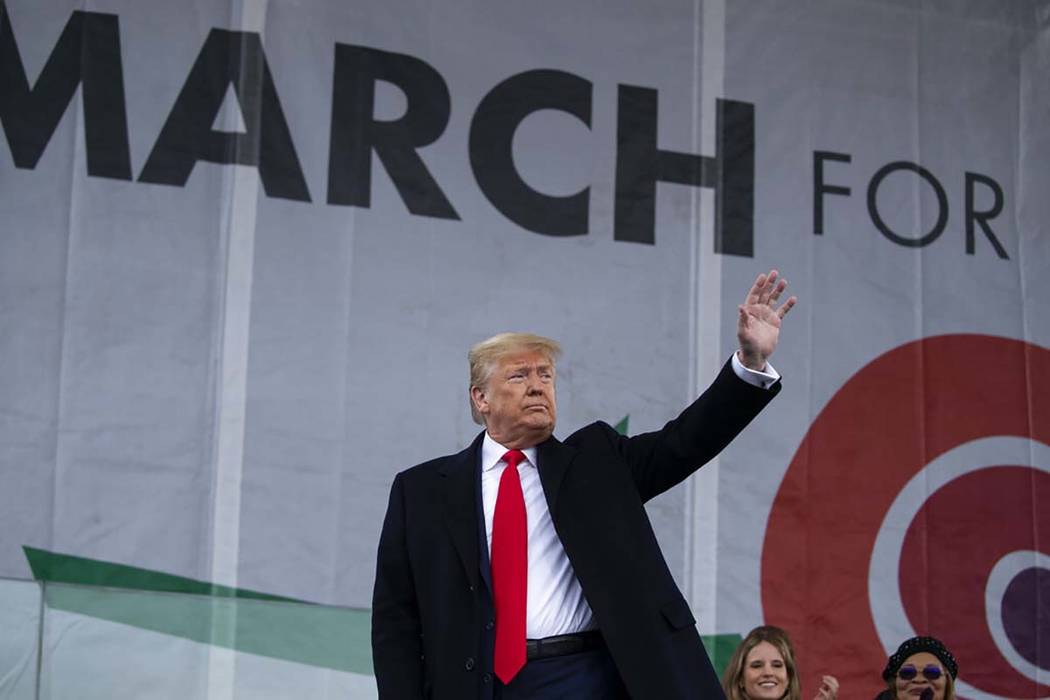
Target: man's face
(517,403)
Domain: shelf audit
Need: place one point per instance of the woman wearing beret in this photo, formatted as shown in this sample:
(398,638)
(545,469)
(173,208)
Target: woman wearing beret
(763,668)
(921,669)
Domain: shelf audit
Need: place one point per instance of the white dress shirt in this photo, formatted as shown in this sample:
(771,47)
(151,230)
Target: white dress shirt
(555,603)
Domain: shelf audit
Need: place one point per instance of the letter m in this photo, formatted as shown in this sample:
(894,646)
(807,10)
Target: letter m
(88,54)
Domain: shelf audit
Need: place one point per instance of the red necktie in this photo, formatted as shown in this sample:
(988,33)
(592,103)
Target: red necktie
(510,569)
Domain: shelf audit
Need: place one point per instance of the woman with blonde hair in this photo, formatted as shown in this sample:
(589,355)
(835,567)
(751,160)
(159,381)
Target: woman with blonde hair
(763,668)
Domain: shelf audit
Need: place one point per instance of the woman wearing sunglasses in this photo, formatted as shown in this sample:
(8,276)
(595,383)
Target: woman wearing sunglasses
(763,668)
(921,669)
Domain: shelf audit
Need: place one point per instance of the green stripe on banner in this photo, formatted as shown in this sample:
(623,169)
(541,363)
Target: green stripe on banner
(66,568)
(248,621)
(621,427)
(720,648)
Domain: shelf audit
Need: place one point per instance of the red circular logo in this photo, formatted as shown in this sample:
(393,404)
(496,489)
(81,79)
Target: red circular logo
(919,503)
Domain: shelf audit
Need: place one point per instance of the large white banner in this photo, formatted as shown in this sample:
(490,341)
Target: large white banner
(246,245)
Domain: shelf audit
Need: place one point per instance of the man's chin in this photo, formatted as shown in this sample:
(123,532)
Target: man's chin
(535,434)
(542,432)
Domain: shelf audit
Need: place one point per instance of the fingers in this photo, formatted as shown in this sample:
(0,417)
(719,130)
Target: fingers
(830,687)
(766,289)
(756,289)
(787,306)
(776,291)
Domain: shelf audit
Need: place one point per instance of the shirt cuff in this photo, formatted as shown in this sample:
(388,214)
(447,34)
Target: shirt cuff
(763,380)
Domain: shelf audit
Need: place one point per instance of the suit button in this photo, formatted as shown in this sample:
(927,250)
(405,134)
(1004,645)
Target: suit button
(487,678)
(470,663)
(489,625)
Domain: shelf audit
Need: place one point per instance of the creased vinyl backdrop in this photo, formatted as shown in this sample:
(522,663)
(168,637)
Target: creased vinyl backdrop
(245,247)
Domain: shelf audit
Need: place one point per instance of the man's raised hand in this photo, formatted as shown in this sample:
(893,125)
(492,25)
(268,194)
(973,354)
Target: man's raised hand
(758,325)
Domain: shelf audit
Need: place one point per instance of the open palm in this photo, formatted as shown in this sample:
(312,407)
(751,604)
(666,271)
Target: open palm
(758,326)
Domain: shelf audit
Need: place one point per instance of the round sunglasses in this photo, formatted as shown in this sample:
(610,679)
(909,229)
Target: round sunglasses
(931,672)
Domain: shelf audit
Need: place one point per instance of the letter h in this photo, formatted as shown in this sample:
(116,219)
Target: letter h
(640,164)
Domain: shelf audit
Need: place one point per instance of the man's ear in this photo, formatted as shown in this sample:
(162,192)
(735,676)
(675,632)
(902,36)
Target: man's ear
(477,396)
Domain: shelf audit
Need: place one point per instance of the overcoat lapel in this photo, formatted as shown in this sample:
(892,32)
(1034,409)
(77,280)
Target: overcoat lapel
(460,495)
(460,507)
(555,458)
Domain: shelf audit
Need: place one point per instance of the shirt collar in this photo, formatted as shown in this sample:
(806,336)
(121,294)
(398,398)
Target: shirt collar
(492,453)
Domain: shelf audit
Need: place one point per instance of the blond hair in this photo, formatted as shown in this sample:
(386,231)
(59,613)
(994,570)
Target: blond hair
(733,679)
(484,357)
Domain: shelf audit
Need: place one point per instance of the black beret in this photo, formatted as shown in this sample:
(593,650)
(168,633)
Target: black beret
(916,645)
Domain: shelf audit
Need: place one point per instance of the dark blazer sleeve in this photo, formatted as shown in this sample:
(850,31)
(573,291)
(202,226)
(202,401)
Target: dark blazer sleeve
(397,651)
(663,458)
